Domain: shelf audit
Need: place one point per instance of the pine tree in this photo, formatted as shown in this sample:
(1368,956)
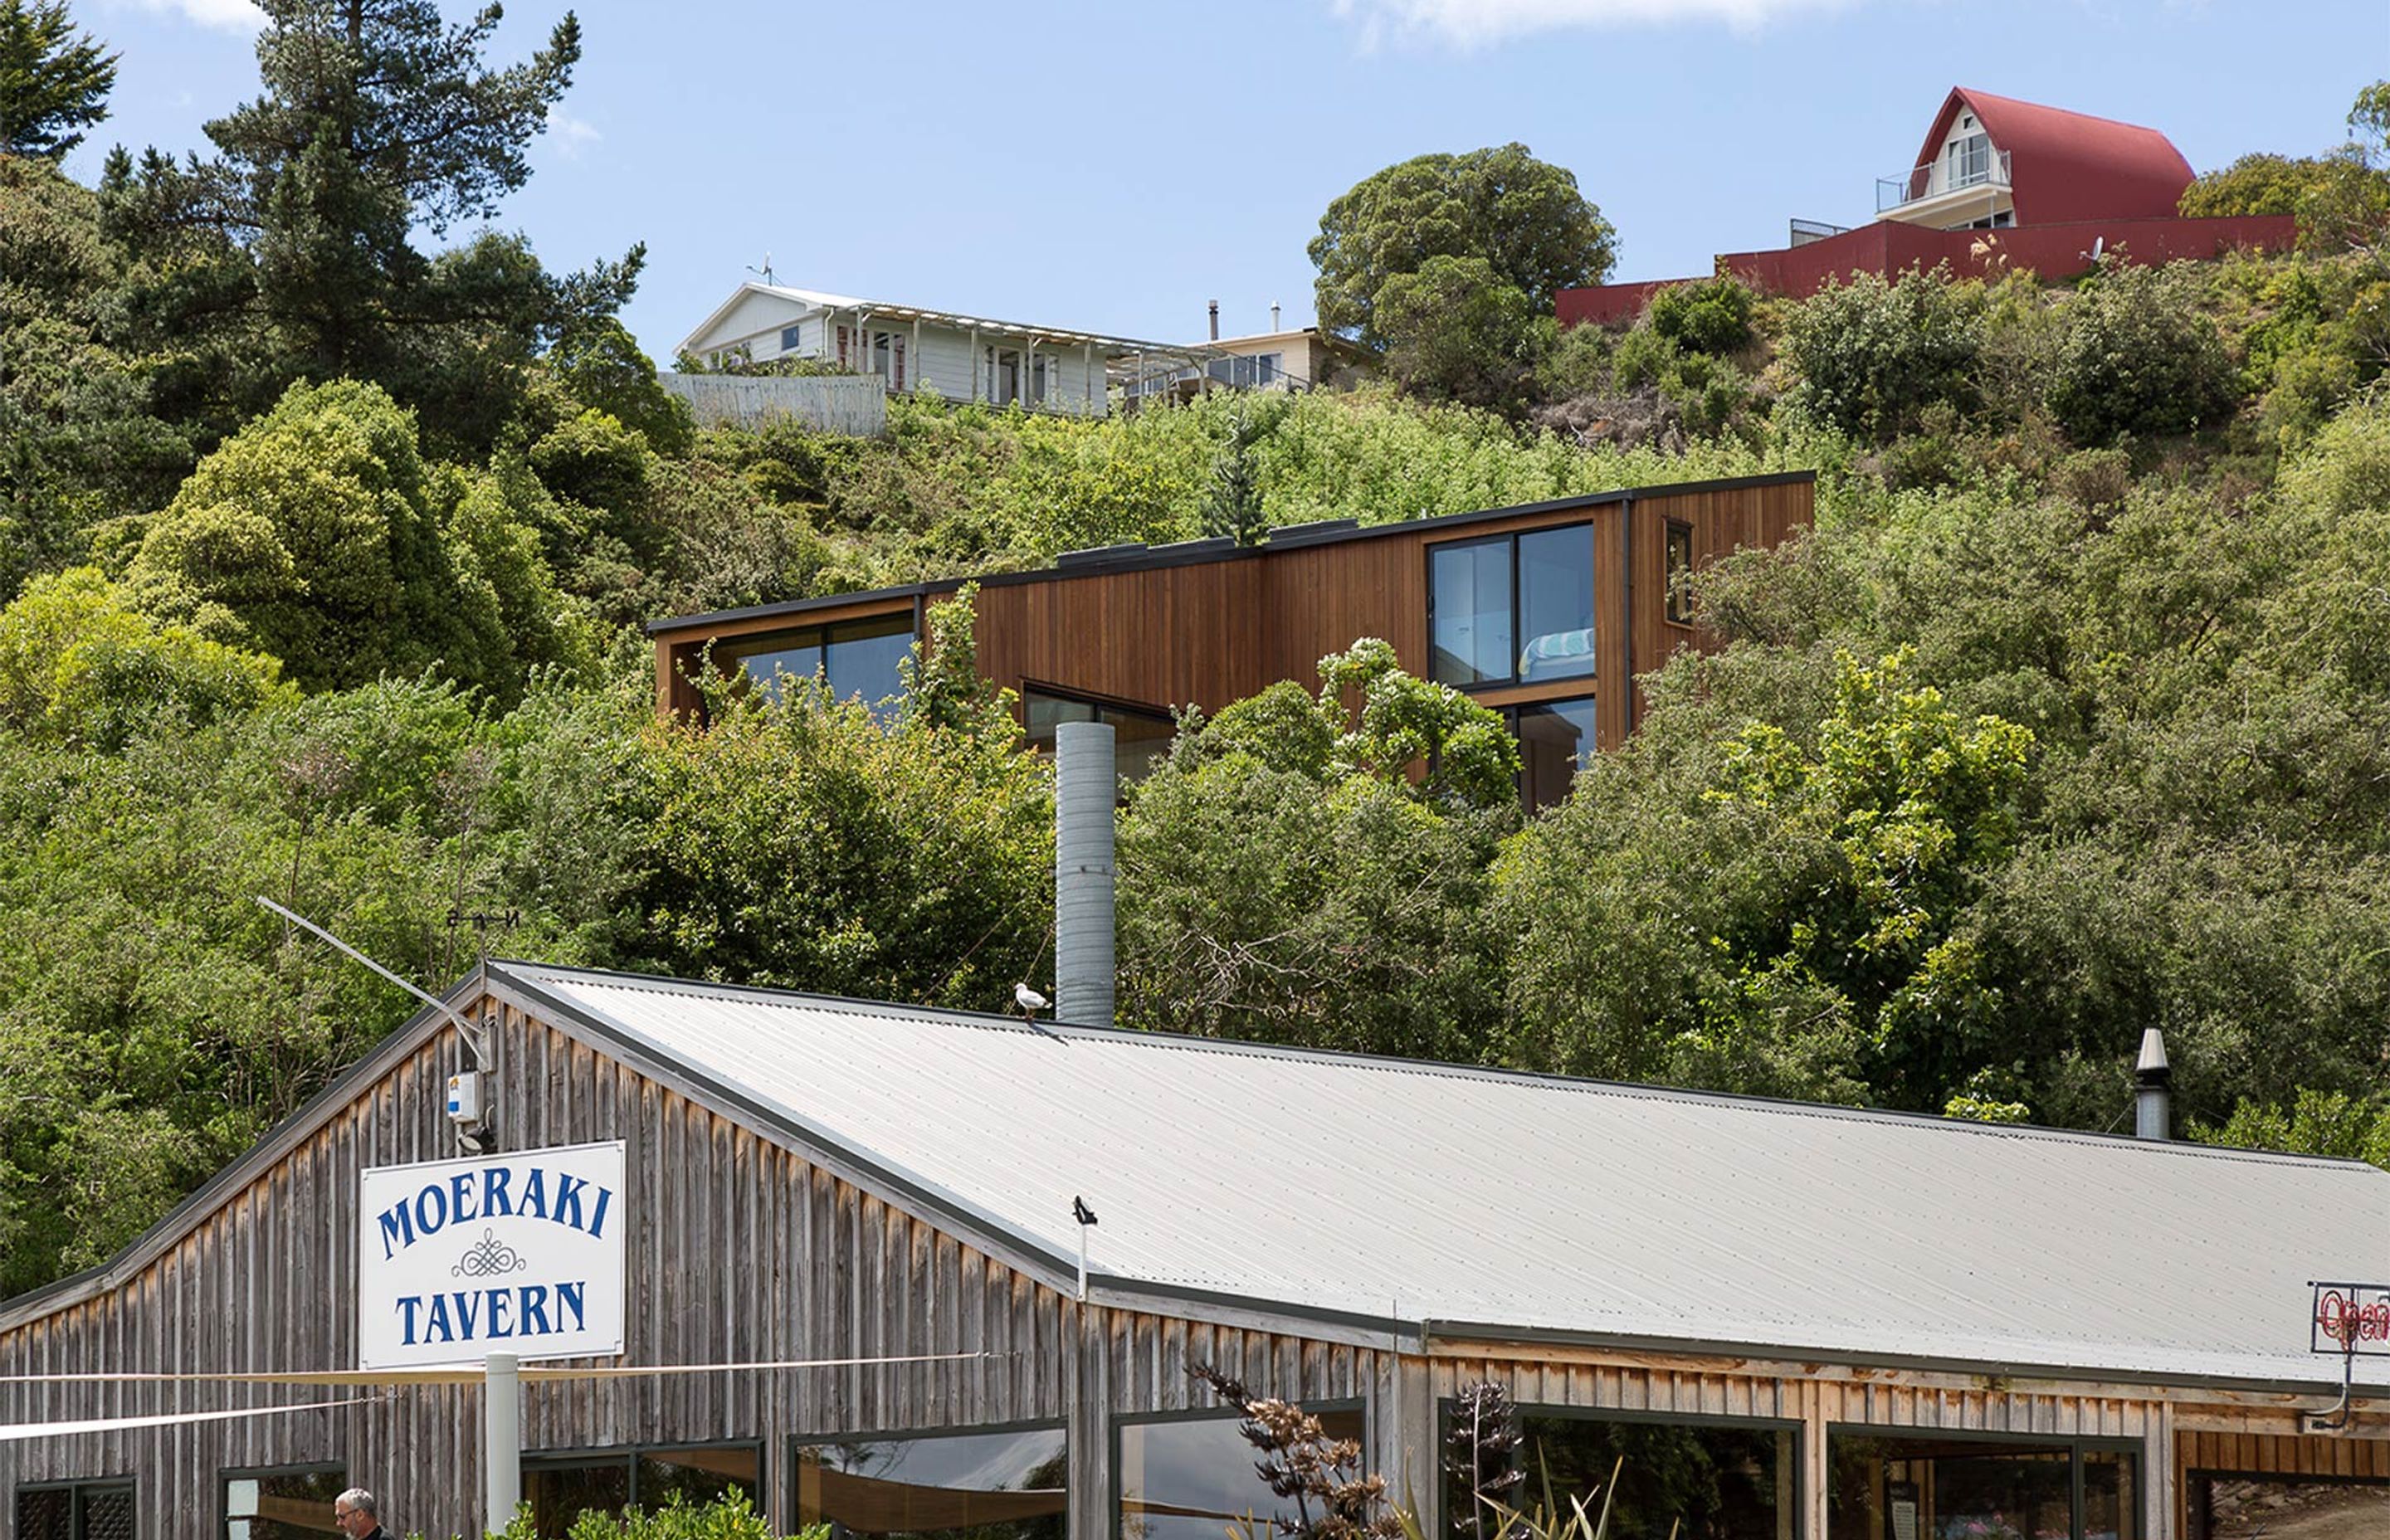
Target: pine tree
(54,82)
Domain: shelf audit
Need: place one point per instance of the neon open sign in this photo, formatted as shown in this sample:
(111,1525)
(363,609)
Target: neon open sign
(2351,1318)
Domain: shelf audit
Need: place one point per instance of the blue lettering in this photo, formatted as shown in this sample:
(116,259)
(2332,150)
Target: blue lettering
(534,1310)
(439,1321)
(569,1296)
(499,1325)
(597,1214)
(432,1208)
(568,1199)
(460,1198)
(534,1203)
(407,1306)
(397,1231)
(495,1200)
(466,1312)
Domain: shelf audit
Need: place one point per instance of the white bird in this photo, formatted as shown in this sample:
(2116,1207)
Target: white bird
(1030,1001)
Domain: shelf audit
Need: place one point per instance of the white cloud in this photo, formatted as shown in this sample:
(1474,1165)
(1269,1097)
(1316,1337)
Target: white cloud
(1477,23)
(571,134)
(232,16)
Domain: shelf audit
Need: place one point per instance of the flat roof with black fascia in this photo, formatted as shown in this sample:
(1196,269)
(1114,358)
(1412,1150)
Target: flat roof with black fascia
(1135,557)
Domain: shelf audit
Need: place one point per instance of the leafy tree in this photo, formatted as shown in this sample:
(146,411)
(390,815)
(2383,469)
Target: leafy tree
(802,843)
(1872,355)
(1455,331)
(2256,184)
(317,535)
(1713,316)
(53,82)
(376,115)
(1283,879)
(599,362)
(2319,1122)
(1523,217)
(2138,357)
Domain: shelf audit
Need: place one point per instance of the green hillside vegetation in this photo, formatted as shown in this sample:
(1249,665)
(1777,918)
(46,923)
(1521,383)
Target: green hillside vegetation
(2071,718)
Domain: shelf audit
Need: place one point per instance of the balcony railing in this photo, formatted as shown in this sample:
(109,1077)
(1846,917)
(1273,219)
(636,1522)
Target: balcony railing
(1989,171)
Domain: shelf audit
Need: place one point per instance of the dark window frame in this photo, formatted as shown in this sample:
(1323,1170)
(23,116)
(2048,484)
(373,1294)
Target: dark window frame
(1120,1421)
(977,1429)
(1678,607)
(1515,709)
(556,1459)
(2284,1478)
(2077,1447)
(226,1475)
(1793,1425)
(708,656)
(1509,539)
(75,1486)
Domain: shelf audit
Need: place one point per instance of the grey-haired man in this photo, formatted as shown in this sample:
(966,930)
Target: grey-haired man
(356,1515)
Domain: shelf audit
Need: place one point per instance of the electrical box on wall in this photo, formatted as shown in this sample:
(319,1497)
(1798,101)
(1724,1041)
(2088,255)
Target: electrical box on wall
(465,1098)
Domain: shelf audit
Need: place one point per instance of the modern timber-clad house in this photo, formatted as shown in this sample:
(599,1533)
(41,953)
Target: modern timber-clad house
(1853,1326)
(1545,612)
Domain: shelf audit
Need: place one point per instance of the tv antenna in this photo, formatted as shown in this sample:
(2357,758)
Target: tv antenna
(764,272)
(472,1036)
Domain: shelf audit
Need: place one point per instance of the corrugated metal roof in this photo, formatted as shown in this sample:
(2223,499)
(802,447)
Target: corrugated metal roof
(1412,1192)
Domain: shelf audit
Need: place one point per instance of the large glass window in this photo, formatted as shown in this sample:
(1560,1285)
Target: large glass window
(1140,735)
(858,658)
(1680,572)
(1007,1484)
(282,1505)
(1957,1488)
(1186,1479)
(1704,1481)
(1469,607)
(1555,740)
(1512,609)
(560,1488)
(2236,1507)
(76,1510)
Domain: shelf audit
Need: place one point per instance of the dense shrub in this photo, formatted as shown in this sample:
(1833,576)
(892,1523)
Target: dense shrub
(1713,316)
(2138,357)
(1868,357)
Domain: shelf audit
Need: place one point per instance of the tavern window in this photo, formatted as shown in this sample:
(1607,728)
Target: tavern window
(77,1510)
(2230,1506)
(1512,609)
(293,1503)
(1184,1478)
(1717,1478)
(996,1483)
(561,1487)
(1989,1484)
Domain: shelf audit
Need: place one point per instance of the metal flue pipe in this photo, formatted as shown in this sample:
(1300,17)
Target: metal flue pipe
(2153,1089)
(1085,780)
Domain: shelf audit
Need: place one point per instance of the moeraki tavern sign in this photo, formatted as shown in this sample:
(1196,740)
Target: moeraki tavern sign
(519,1253)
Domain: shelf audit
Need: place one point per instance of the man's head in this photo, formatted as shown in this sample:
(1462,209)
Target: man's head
(355,1513)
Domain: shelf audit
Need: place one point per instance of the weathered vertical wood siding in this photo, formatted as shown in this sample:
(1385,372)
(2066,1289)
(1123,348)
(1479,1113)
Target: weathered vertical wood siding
(740,1250)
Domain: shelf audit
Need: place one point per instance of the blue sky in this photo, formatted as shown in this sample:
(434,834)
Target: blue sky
(1112,167)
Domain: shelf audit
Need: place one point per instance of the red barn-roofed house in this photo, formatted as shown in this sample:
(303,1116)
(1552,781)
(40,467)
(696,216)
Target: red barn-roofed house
(1998,185)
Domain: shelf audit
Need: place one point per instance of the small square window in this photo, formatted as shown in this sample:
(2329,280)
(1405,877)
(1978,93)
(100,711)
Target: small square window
(791,336)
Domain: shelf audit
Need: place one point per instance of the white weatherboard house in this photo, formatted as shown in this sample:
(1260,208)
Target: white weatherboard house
(961,357)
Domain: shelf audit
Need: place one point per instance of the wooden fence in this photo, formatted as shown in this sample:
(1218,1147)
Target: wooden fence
(835,403)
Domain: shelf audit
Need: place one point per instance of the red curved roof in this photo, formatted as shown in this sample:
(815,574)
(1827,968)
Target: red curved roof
(2069,165)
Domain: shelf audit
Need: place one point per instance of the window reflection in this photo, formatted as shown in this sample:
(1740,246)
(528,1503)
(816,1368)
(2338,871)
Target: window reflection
(1512,608)
(1978,1489)
(282,1505)
(560,1488)
(1140,737)
(1555,740)
(1010,1485)
(858,660)
(1469,596)
(1556,603)
(2246,1507)
(1698,1481)
(1186,1480)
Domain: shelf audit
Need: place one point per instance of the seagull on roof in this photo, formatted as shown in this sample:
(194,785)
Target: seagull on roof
(1030,1002)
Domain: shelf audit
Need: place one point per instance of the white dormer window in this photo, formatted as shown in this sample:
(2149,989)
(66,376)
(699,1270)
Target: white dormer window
(1970,160)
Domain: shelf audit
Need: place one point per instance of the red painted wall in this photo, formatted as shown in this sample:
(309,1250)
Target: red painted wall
(1888,247)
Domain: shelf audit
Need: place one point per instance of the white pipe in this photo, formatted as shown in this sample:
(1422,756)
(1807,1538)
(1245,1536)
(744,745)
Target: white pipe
(501,1441)
(1085,784)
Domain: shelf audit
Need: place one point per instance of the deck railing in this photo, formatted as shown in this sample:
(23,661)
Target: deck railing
(1915,186)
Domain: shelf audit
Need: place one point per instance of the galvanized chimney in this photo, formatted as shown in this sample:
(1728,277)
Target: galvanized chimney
(2152,1096)
(1215,320)
(1084,783)
(1272,315)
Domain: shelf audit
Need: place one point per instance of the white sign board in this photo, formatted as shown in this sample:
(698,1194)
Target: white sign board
(518,1254)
